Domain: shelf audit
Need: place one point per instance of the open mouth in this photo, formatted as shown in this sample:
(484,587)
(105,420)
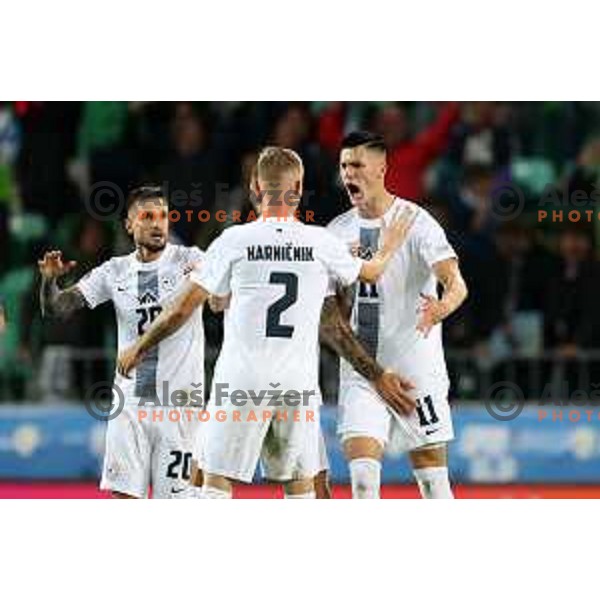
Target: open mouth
(354,191)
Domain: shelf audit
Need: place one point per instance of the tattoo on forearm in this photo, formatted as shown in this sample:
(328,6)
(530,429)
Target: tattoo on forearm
(345,299)
(335,332)
(55,302)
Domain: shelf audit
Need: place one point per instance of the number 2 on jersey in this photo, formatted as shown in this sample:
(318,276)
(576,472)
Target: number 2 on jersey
(274,327)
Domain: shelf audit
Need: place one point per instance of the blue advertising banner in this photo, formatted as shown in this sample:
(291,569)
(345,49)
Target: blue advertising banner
(67,443)
(561,447)
(50,443)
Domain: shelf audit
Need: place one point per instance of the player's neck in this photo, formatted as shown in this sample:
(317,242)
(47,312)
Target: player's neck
(283,212)
(378,206)
(143,254)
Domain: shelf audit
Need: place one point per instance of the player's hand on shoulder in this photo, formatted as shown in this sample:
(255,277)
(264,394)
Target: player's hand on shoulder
(52,265)
(128,360)
(394,234)
(396,391)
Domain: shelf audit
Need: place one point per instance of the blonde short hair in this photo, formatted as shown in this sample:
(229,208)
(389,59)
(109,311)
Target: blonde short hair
(275,163)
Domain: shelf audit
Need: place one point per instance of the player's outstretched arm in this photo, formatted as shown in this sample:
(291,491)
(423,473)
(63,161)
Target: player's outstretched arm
(54,301)
(335,332)
(167,323)
(434,311)
(393,236)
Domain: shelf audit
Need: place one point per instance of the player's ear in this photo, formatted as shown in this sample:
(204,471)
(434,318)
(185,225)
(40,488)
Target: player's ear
(383,166)
(255,189)
(128,225)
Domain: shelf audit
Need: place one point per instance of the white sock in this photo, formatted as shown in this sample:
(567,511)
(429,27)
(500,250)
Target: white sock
(434,483)
(365,474)
(213,493)
(305,496)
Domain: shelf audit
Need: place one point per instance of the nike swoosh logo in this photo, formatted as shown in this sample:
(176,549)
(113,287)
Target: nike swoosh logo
(176,491)
(431,431)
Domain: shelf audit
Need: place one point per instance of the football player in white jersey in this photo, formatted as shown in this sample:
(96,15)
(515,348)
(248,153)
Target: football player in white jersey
(399,320)
(335,331)
(277,271)
(145,445)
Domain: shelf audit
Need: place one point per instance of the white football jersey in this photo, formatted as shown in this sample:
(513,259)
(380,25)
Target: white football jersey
(385,314)
(278,274)
(139,292)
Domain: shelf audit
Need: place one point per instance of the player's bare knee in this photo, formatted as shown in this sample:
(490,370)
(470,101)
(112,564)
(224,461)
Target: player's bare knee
(363,447)
(429,456)
(299,487)
(218,482)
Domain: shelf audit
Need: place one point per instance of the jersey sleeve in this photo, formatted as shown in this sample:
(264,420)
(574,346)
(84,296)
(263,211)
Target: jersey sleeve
(343,268)
(430,240)
(96,285)
(215,274)
(195,254)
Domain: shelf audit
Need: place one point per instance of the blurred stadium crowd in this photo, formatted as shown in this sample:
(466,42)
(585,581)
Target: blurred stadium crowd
(531,317)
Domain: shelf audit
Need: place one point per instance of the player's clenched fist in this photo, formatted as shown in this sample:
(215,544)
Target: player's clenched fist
(128,360)
(52,266)
(395,390)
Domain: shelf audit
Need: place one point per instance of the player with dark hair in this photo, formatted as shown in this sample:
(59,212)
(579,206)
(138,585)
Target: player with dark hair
(398,319)
(154,452)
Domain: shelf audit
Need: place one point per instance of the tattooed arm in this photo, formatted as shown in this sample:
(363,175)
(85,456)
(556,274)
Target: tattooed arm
(335,332)
(54,301)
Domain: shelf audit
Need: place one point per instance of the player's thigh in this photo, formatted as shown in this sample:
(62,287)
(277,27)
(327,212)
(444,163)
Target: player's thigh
(363,421)
(232,440)
(172,455)
(128,454)
(429,426)
(292,449)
